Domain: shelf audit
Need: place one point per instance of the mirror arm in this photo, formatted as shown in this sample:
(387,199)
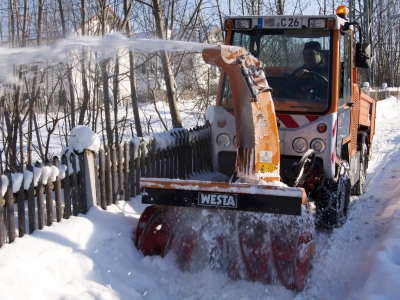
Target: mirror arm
(347,28)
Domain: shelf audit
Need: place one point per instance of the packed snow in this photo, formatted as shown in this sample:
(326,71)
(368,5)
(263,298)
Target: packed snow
(92,256)
(82,137)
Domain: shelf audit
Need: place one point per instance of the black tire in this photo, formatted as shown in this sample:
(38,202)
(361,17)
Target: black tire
(359,188)
(332,198)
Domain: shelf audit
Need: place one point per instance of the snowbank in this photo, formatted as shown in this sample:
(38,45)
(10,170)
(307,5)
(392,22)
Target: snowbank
(387,109)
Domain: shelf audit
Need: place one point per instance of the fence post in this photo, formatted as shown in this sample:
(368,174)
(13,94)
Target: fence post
(168,164)
(126,173)
(108,178)
(40,199)
(138,168)
(10,209)
(158,163)
(74,185)
(89,179)
(142,161)
(152,159)
(31,202)
(21,206)
(57,191)
(67,190)
(209,147)
(49,198)
(120,167)
(175,173)
(113,162)
(102,175)
(147,161)
(163,162)
(188,158)
(81,176)
(132,170)
(180,158)
(96,178)
(195,154)
(2,203)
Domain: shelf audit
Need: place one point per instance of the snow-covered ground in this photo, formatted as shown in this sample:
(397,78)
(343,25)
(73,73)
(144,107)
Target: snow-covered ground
(92,256)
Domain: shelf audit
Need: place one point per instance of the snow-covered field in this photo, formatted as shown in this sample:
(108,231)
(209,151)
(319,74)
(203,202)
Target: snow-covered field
(92,256)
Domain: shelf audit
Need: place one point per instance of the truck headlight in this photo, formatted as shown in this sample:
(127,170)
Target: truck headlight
(243,24)
(223,140)
(299,145)
(317,23)
(318,145)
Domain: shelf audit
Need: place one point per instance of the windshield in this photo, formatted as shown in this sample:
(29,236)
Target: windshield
(296,64)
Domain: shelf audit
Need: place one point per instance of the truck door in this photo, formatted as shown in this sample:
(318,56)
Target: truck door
(345,99)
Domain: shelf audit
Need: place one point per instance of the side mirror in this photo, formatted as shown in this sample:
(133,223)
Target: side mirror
(363,55)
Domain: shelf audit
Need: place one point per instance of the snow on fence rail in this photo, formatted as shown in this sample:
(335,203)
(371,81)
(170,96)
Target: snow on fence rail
(31,198)
(23,193)
(379,93)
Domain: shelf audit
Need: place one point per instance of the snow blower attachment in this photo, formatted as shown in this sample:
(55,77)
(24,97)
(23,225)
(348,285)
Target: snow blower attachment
(254,227)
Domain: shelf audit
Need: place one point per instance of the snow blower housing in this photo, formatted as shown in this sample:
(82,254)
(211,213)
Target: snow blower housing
(280,139)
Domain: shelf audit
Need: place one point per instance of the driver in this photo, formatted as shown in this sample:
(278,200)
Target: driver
(308,80)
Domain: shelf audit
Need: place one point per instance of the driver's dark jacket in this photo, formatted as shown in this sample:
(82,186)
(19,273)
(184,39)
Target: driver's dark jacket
(302,88)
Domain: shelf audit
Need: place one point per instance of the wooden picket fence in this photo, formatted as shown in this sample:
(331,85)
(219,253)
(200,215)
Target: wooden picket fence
(35,205)
(121,180)
(117,173)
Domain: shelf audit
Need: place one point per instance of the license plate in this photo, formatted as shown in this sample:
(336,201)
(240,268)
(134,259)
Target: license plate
(289,22)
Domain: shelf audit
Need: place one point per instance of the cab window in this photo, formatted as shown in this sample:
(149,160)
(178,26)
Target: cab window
(283,53)
(344,117)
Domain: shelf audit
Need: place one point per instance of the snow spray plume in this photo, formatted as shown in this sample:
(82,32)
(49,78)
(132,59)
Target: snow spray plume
(63,51)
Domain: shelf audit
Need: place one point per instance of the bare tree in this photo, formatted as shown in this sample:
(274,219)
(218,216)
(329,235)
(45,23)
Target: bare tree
(132,70)
(39,22)
(69,67)
(86,97)
(107,102)
(168,77)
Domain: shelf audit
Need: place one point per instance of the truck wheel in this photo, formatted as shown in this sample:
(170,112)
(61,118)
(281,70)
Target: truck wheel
(359,188)
(332,198)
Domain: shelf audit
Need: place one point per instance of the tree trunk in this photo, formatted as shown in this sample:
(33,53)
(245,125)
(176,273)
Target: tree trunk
(280,7)
(69,68)
(115,96)
(86,99)
(12,21)
(134,97)
(132,74)
(71,95)
(64,30)
(107,110)
(86,96)
(168,77)
(24,35)
(39,25)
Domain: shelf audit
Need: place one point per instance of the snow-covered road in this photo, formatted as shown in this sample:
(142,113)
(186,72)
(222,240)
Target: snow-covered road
(343,264)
